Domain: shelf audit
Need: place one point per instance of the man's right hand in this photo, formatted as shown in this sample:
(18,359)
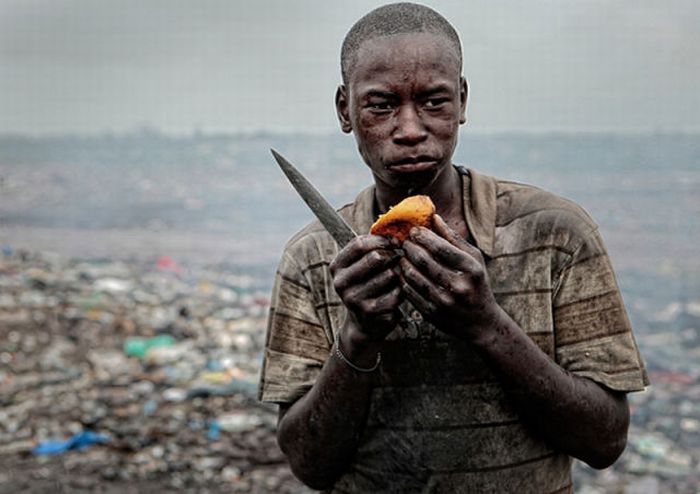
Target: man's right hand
(320,432)
(364,278)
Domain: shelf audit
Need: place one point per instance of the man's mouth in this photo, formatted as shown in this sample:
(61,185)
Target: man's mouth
(413,164)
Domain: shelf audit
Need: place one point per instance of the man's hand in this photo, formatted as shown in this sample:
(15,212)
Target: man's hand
(446,280)
(320,432)
(364,278)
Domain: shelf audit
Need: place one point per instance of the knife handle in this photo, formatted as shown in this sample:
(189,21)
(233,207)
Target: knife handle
(408,322)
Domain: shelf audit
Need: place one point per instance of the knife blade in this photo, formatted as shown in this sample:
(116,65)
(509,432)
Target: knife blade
(341,232)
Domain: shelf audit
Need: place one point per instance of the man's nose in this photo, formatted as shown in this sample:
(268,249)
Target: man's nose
(410,128)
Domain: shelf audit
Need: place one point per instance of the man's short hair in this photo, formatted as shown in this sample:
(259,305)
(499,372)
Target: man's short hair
(395,18)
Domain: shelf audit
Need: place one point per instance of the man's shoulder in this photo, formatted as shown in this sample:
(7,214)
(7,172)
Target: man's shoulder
(518,201)
(312,236)
(537,217)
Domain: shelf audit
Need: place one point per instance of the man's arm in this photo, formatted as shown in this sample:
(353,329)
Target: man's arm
(446,279)
(572,413)
(320,432)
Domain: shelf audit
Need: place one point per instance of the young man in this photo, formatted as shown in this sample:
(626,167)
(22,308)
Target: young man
(520,353)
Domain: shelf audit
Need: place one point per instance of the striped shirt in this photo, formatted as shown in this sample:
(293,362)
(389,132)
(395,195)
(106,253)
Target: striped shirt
(439,421)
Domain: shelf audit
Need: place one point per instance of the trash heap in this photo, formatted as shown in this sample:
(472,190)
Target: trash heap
(139,375)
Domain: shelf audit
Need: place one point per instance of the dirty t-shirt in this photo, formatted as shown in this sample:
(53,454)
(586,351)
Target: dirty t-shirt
(439,421)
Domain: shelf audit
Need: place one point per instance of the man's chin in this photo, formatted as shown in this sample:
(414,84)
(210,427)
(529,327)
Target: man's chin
(414,182)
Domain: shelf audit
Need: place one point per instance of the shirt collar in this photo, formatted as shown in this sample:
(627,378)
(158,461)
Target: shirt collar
(478,199)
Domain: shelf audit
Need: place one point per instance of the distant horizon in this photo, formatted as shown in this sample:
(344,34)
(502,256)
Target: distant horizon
(148,130)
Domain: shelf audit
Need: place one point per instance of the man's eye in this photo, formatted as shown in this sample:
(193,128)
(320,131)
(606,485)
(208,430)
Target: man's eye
(435,102)
(380,105)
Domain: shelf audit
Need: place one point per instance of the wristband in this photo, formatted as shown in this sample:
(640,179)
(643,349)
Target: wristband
(342,357)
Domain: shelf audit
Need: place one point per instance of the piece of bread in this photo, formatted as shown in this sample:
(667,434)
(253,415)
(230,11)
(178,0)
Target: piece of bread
(398,221)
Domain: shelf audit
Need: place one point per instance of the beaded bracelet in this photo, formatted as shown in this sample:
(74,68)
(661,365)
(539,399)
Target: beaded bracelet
(342,357)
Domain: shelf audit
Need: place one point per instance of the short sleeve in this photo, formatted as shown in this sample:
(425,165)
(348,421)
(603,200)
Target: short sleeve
(297,344)
(593,335)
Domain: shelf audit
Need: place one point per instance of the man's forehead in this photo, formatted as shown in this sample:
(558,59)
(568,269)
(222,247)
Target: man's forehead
(406,51)
(405,43)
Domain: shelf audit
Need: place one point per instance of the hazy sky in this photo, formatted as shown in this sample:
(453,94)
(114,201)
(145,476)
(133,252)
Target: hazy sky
(215,65)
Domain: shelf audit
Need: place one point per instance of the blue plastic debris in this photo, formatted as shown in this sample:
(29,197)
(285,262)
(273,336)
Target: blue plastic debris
(81,440)
(214,432)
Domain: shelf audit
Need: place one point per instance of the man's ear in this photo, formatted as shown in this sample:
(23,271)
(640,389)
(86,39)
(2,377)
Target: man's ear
(463,97)
(342,109)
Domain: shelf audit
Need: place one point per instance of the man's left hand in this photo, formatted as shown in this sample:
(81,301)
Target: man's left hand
(446,280)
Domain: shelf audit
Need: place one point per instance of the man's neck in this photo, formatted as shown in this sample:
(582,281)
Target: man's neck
(445,192)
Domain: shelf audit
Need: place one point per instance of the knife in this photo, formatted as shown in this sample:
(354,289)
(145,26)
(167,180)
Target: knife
(341,232)
(334,224)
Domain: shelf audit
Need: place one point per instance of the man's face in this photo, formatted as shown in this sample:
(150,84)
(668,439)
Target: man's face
(404,101)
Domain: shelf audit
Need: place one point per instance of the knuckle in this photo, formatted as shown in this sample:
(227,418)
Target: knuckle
(374,258)
(382,305)
(339,282)
(359,243)
(460,288)
(350,297)
(424,286)
(387,318)
(368,242)
(445,299)
(478,273)
(384,278)
(394,297)
(367,306)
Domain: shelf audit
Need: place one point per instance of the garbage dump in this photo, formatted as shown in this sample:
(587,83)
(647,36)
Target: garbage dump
(133,376)
(141,376)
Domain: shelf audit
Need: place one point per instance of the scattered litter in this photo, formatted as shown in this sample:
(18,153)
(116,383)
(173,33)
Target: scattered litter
(142,358)
(239,422)
(80,440)
(139,347)
(214,431)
